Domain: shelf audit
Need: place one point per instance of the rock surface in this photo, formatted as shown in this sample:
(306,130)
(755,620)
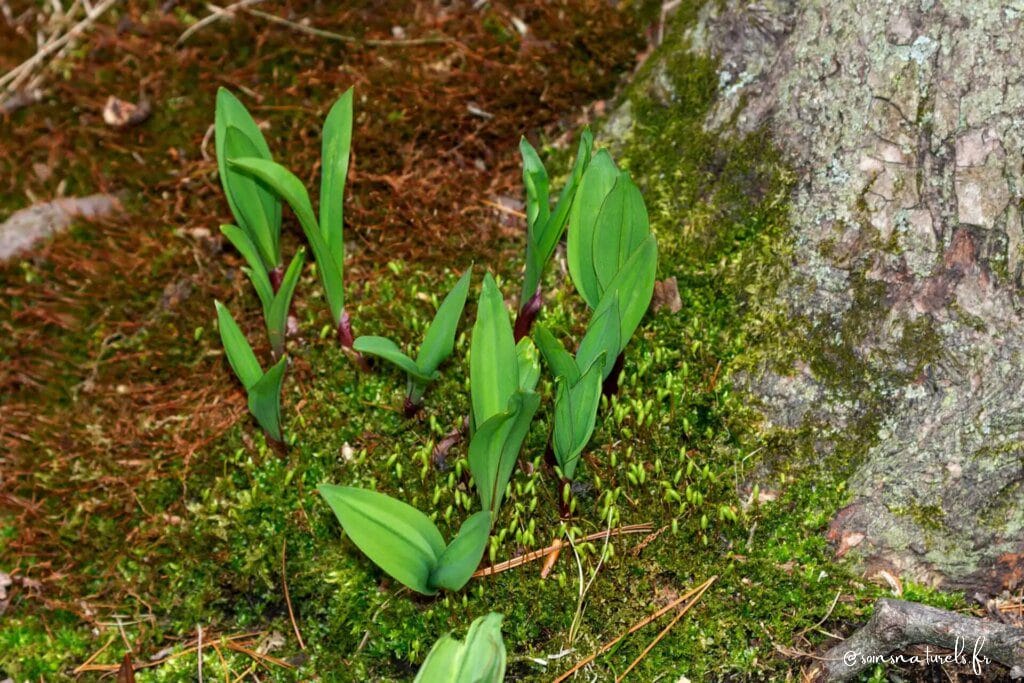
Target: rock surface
(28,226)
(904,121)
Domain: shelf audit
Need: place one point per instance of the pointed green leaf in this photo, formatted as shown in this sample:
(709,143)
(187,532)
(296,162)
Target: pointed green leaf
(493,371)
(277,316)
(595,185)
(462,556)
(389,351)
(529,365)
(622,225)
(334,156)
(439,340)
(231,112)
(603,335)
(246,192)
(541,243)
(265,399)
(559,360)
(288,187)
(575,415)
(397,537)
(535,180)
(236,346)
(495,446)
(632,289)
(480,659)
(257,270)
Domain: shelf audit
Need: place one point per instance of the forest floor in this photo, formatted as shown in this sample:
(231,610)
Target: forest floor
(141,509)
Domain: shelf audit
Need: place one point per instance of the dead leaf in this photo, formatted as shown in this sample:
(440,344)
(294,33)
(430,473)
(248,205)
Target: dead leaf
(120,114)
(666,295)
(850,539)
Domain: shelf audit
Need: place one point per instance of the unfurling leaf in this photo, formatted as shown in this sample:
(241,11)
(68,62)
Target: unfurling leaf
(576,407)
(480,659)
(439,340)
(334,156)
(493,367)
(494,448)
(595,185)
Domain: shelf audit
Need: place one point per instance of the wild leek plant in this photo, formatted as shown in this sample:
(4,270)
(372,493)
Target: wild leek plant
(544,228)
(502,378)
(256,209)
(612,255)
(263,389)
(437,346)
(478,659)
(403,541)
(326,235)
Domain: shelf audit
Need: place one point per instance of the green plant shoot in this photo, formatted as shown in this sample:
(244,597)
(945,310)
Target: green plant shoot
(478,659)
(502,378)
(404,543)
(544,227)
(326,233)
(437,346)
(263,389)
(276,301)
(256,209)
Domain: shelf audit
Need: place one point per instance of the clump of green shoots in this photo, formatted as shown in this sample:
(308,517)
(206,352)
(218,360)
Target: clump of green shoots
(437,346)
(325,233)
(263,388)
(478,659)
(544,227)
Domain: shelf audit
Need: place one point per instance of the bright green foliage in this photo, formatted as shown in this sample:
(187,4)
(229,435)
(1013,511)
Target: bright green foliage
(480,659)
(263,389)
(326,236)
(502,378)
(275,304)
(404,543)
(608,225)
(495,446)
(437,346)
(256,210)
(544,227)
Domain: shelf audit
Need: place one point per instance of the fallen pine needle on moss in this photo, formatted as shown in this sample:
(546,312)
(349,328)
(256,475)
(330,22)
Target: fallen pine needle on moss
(694,593)
(557,546)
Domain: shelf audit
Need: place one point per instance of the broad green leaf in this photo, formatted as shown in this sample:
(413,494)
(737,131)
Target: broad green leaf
(246,192)
(389,351)
(495,446)
(286,185)
(480,659)
(231,112)
(575,414)
(535,180)
(236,346)
(632,289)
(439,340)
(462,556)
(334,156)
(558,359)
(529,365)
(257,270)
(622,225)
(603,335)
(397,537)
(265,399)
(595,185)
(493,371)
(277,316)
